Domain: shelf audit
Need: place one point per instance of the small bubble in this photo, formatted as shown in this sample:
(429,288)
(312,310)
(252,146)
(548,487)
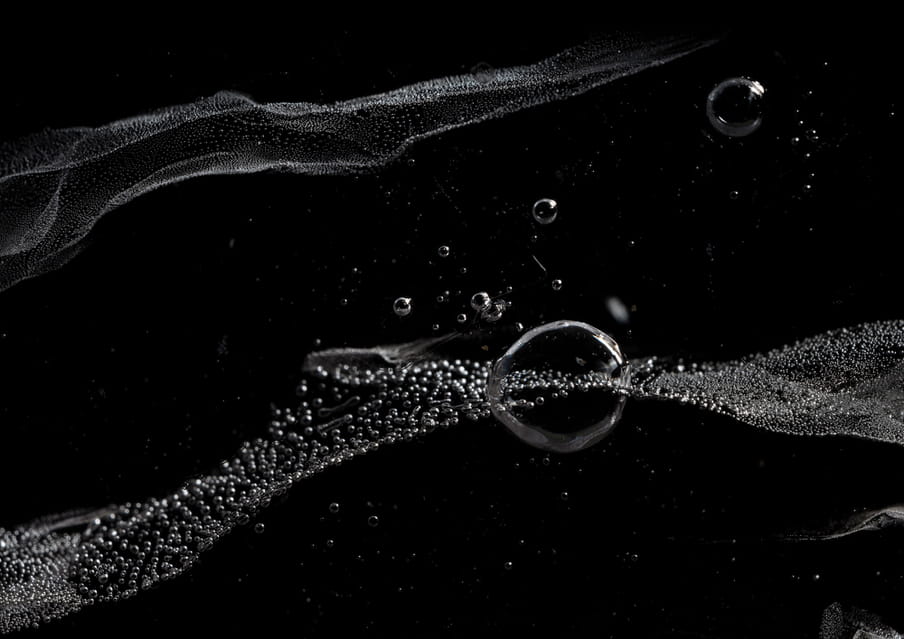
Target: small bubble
(435,327)
(330,543)
(334,507)
(735,107)
(508,565)
(373,521)
(557,285)
(461,318)
(480,301)
(259,528)
(494,312)
(564,495)
(343,301)
(402,306)
(443,251)
(545,211)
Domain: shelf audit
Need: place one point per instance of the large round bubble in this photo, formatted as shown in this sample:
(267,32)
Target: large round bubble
(735,107)
(556,387)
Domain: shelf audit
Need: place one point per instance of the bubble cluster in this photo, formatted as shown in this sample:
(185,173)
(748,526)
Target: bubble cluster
(845,382)
(52,568)
(848,622)
(353,401)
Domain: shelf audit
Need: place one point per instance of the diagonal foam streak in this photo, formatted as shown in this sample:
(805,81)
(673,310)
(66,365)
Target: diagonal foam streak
(56,185)
(844,382)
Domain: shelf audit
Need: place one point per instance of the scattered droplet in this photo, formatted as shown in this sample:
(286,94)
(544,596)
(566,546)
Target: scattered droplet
(735,107)
(545,211)
(577,368)
(402,306)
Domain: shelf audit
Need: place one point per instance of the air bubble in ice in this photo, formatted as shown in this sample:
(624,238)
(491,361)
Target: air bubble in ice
(545,211)
(735,107)
(402,306)
(576,369)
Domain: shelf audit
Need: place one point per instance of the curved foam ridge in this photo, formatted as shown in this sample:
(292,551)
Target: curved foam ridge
(55,185)
(845,382)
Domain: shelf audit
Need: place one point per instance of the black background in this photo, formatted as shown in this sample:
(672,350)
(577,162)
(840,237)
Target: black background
(157,350)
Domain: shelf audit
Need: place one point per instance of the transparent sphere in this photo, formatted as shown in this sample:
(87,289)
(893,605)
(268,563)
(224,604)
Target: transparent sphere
(480,301)
(402,306)
(545,211)
(556,387)
(735,107)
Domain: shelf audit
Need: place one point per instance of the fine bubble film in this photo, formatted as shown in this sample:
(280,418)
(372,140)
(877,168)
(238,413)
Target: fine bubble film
(56,185)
